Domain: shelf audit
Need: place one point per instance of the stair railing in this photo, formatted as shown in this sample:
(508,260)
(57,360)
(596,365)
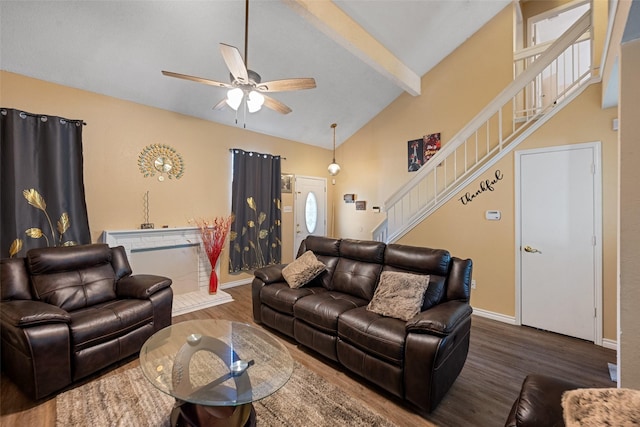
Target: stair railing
(502,124)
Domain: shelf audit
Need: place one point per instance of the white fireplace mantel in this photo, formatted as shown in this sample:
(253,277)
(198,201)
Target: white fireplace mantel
(168,238)
(154,237)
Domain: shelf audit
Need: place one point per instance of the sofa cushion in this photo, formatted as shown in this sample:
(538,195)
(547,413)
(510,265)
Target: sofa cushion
(105,322)
(281,297)
(76,289)
(302,270)
(320,246)
(322,310)
(399,295)
(417,259)
(72,277)
(374,334)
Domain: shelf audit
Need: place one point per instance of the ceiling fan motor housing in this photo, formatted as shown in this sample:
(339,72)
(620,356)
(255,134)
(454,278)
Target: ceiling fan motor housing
(254,79)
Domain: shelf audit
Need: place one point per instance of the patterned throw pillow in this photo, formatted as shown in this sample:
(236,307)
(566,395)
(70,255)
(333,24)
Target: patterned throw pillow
(399,295)
(302,270)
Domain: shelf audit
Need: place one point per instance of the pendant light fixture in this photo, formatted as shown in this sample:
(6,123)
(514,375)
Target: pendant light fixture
(334,168)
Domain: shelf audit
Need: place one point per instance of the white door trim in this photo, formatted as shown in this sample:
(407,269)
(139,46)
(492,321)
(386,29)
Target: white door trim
(596,146)
(295,207)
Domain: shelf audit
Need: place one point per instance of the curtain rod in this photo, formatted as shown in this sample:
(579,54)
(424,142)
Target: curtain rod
(231,150)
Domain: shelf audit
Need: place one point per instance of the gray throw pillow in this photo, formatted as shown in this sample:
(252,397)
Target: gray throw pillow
(399,295)
(302,270)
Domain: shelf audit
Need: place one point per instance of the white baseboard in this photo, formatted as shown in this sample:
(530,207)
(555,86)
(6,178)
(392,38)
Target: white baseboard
(606,343)
(235,283)
(495,316)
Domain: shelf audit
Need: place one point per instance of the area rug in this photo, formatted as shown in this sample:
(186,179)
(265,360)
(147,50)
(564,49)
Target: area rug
(128,399)
(596,407)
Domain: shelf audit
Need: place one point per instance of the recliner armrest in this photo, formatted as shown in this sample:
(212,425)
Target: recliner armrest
(25,313)
(440,319)
(141,286)
(270,274)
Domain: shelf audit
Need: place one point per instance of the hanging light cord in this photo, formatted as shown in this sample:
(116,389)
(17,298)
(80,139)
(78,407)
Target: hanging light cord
(334,125)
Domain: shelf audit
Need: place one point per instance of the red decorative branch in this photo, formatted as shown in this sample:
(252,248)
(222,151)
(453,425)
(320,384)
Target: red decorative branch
(214,236)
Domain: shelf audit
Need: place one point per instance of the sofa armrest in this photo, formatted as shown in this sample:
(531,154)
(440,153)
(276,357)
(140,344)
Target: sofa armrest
(440,319)
(270,274)
(25,313)
(141,286)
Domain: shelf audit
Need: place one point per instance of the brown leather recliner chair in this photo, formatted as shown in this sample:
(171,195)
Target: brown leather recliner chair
(67,312)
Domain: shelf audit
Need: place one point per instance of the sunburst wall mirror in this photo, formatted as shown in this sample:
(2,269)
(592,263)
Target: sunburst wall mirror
(161,160)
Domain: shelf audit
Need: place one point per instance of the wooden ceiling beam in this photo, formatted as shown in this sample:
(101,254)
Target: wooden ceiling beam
(336,24)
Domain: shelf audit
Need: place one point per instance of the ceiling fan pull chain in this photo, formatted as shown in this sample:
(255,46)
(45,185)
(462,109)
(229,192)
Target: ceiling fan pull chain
(244,124)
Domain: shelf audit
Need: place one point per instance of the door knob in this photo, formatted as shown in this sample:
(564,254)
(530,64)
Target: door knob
(531,250)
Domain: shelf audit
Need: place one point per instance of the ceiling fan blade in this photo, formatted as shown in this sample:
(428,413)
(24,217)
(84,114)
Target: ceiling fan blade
(287,84)
(197,79)
(276,105)
(234,62)
(221,105)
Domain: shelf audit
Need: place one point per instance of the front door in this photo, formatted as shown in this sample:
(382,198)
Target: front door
(559,239)
(310,209)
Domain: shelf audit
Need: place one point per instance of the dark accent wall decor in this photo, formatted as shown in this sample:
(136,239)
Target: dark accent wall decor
(41,182)
(256,232)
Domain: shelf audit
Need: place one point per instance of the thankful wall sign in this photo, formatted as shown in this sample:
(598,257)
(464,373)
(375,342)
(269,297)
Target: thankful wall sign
(486,185)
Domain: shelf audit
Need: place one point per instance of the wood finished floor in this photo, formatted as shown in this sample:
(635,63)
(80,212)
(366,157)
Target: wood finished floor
(499,358)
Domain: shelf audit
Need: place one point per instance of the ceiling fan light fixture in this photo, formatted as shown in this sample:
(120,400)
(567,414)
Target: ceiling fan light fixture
(255,100)
(334,168)
(234,98)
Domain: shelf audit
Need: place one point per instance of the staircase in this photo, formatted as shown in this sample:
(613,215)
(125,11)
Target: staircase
(552,79)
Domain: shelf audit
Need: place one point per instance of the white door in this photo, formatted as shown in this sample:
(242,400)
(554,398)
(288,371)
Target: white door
(559,239)
(310,208)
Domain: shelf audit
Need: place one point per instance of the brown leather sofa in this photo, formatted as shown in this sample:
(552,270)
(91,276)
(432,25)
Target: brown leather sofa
(539,403)
(67,312)
(416,360)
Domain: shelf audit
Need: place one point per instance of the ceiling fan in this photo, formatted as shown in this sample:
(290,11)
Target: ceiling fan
(246,84)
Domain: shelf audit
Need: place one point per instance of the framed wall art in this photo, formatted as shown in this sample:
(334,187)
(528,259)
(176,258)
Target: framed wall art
(286,183)
(421,150)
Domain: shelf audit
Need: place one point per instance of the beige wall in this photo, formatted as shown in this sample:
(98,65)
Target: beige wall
(374,164)
(629,339)
(491,244)
(118,130)
(374,160)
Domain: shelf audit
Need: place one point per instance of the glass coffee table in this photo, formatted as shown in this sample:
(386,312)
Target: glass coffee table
(215,369)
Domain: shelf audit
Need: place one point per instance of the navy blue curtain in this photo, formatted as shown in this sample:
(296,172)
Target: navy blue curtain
(256,232)
(42,199)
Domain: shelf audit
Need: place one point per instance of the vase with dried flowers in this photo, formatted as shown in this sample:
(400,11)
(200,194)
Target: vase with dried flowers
(214,235)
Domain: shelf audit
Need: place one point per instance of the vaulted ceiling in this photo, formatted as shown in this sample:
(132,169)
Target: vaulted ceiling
(362,53)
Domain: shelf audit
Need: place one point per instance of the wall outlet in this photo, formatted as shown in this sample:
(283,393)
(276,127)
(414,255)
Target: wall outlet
(473,284)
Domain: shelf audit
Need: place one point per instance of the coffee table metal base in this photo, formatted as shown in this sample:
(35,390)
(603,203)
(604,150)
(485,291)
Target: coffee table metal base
(185,414)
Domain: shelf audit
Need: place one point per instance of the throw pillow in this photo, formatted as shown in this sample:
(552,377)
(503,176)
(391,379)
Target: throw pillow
(302,270)
(595,407)
(399,295)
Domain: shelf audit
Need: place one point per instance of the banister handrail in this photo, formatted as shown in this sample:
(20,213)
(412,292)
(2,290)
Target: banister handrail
(519,83)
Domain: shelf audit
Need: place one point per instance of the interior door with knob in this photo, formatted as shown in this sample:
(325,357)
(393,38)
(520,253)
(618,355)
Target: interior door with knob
(310,209)
(559,226)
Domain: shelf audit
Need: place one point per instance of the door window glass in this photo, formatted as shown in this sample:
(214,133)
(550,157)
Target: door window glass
(311,212)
